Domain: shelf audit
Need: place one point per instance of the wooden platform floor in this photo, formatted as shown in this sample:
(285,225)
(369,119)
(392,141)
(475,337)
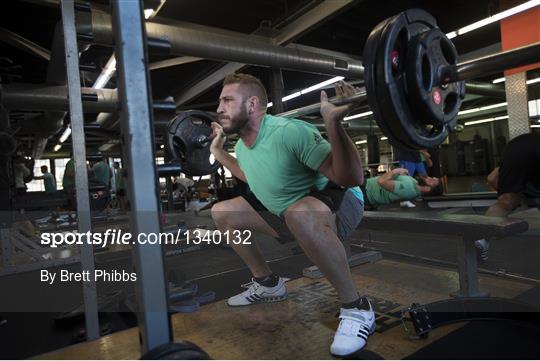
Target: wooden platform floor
(302,327)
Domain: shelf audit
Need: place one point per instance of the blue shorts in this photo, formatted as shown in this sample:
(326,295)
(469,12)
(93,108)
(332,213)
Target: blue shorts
(413,167)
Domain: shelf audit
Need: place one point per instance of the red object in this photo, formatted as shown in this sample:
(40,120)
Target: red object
(520,30)
(395,59)
(437,97)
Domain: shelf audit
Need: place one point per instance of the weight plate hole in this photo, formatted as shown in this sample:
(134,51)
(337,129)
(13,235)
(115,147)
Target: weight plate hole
(447,51)
(450,103)
(196,121)
(426,73)
(179,147)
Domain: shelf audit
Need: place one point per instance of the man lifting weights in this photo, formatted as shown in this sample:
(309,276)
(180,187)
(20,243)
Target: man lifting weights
(312,194)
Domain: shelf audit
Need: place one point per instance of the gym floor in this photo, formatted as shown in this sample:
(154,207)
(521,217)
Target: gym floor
(415,268)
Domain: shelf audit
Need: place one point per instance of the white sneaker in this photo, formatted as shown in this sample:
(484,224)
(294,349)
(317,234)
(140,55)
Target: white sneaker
(407,204)
(353,331)
(257,293)
(482,248)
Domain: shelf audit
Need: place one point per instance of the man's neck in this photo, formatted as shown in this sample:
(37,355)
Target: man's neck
(250,131)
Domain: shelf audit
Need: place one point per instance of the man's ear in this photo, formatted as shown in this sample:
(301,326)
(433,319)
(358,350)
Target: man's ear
(253,103)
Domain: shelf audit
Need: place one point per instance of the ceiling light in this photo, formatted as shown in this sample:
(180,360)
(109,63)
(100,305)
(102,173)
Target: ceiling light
(57,147)
(148,13)
(530,81)
(535,126)
(309,89)
(65,135)
(384,138)
(502,15)
(106,74)
(360,115)
(361,142)
(291,96)
(322,84)
(487,120)
(474,110)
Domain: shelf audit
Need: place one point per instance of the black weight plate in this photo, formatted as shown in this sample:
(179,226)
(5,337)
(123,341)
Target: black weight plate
(427,55)
(405,126)
(388,116)
(392,87)
(176,351)
(183,135)
(370,78)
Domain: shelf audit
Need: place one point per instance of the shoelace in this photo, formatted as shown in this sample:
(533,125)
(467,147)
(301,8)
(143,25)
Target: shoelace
(350,325)
(253,286)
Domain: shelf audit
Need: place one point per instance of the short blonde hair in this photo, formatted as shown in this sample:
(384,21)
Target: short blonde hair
(252,85)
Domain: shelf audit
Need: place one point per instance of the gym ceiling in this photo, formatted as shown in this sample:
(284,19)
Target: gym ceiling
(344,30)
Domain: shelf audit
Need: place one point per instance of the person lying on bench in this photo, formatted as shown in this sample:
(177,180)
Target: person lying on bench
(397,185)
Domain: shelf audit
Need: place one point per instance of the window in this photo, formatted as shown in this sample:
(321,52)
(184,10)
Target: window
(60,167)
(37,185)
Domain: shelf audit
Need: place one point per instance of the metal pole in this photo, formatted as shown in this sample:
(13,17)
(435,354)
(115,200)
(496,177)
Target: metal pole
(81,176)
(54,97)
(359,97)
(136,122)
(193,41)
(493,63)
(276,86)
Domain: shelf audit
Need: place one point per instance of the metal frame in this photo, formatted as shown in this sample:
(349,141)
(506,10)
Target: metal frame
(81,176)
(136,123)
(467,269)
(15,243)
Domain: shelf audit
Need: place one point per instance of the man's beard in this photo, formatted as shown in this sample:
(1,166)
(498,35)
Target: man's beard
(237,123)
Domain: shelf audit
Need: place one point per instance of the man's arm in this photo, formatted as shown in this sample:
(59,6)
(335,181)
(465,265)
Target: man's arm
(493,178)
(427,157)
(227,160)
(387,180)
(343,165)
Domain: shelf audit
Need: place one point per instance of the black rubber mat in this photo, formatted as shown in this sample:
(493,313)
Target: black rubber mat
(489,339)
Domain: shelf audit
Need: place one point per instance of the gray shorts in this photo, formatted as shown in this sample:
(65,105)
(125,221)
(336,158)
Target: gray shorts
(341,201)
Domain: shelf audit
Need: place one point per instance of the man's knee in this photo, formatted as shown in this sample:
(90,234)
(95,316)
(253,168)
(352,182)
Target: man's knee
(509,201)
(223,212)
(307,214)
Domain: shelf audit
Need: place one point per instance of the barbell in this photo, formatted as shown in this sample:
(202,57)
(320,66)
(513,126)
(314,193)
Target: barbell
(413,83)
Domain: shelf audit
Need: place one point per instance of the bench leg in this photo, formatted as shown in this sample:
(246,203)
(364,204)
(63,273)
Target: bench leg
(7,249)
(468,270)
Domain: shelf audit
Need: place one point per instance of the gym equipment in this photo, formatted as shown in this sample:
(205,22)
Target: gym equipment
(176,351)
(414,84)
(188,142)
(469,227)
(425,318)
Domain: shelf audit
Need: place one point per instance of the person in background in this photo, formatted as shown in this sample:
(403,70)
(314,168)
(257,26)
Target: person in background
(20,172)
(102,172)
(48,180)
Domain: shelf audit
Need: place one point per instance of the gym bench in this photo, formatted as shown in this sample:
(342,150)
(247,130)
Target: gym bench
(468,227)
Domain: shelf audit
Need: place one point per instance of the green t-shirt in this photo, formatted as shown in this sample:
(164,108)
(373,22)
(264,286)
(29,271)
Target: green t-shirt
(405,189)
(68,181)
(49,182)
(101,172)
(282,165)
